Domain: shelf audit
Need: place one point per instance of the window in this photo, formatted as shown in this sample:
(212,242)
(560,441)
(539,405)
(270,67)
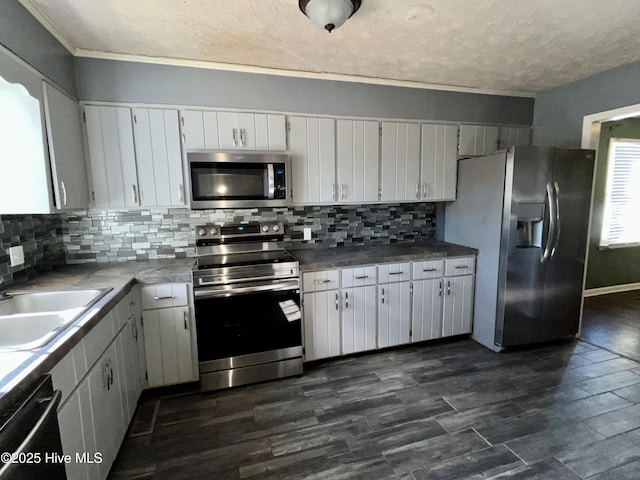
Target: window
(621,222)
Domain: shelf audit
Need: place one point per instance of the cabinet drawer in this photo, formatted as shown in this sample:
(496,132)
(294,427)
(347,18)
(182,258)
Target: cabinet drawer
(459,266)
(428,269)
(357,277)
(394,272)
(319,281)
(164,295)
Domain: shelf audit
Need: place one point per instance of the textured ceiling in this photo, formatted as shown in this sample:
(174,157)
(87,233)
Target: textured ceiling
(504,45)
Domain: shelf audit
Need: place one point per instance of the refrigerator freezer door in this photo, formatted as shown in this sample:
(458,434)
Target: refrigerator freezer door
(572,179)
(525,236)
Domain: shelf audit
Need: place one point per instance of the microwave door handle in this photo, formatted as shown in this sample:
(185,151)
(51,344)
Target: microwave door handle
(271,185)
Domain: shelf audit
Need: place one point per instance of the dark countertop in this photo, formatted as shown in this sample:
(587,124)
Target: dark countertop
(20,369)
(324,258)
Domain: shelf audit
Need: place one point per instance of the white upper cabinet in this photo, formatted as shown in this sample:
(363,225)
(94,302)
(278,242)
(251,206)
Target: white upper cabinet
(312,147)
(513,136)
(439,162)
(199,130)
(478,140)
(249,131)
(158,157)
(400,165)
(112,154)
(357,157)
(66,152)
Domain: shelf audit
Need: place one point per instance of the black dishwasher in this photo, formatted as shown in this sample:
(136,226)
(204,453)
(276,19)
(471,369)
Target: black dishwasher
(30,446)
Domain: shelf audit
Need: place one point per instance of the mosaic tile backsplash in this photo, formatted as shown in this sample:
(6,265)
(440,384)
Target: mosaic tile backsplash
(121,235)
(41,236)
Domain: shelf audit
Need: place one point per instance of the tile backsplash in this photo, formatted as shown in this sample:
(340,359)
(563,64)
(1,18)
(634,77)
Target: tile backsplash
(121,235)
(41,236)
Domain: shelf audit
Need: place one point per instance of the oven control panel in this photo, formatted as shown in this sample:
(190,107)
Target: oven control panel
(240,232)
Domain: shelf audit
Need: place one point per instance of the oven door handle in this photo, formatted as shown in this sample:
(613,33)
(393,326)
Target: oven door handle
(236,289)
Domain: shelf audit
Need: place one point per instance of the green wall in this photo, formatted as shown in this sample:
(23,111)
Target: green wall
(617,266)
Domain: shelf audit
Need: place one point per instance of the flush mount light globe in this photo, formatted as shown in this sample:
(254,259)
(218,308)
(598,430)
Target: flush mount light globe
(329,14)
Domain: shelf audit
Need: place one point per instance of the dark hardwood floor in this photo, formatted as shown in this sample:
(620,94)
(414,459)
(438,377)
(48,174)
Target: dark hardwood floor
(450,410)
(612,321)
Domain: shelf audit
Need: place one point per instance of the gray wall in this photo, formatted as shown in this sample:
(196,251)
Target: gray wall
(28,39)
(559,112)
(616,266)
(117,81)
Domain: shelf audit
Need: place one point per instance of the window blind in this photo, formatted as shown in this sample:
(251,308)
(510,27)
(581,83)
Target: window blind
(621,222)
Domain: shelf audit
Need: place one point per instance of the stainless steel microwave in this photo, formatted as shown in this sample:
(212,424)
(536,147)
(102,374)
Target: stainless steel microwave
(238,180)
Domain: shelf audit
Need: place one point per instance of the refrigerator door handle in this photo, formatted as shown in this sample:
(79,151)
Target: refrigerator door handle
(551,234)
(556,195)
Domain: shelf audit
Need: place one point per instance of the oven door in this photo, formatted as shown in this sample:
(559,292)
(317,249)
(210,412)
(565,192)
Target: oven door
(248,324)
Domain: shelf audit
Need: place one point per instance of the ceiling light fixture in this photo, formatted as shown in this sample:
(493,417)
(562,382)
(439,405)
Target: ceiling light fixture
(329,14)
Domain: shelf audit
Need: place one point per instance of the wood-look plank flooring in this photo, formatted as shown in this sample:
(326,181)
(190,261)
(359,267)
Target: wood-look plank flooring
(447,410)
(612,321)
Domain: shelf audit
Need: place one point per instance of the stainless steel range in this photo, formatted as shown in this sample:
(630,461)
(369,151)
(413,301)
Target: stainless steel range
(247,303)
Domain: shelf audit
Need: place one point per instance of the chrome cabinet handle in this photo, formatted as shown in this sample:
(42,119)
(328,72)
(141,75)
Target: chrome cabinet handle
(361,277)
(64,193)
(181,193)
(319,282)
(342,191)
(346,303)
(243,137)
(417,190)
(134,331)
(105,375)
(396,273)
(337,301)
(184,138)
(382,294)
(429,269)
(448,287)
(134,193)
(461,266)
(333,192)
(110,372)
(235,137)
(424,190)
(440,288)
(167,297)
(185,320)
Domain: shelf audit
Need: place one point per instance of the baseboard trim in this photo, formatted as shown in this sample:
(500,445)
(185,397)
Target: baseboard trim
(592,292)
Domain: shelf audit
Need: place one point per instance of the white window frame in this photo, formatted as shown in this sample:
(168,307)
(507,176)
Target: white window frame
(620,209)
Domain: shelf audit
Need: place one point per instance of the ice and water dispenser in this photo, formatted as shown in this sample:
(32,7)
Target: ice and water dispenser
(529,230)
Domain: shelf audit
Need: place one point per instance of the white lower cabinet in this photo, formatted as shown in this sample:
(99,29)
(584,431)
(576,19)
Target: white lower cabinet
(358,319)
(96,413)
(458,305)
(394,314)
(427,310)
(321,324)
(367,307)
(169,342)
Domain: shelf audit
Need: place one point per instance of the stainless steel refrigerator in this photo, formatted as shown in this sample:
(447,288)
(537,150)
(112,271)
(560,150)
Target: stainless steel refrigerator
(527,212)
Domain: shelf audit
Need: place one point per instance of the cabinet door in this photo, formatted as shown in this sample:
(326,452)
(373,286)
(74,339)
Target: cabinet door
(106,410)
(271,132)
(400,167)
(66,153)
(513,136)
(312,146)
(427,310)
(394,316)
(458,305)
(167,339)
(158,157)
(112,156)
(478,140)
(236,131)
(357,158)
(130,383)
(439,162)
(199,130)
(358,319)
(321,324)
(76,433)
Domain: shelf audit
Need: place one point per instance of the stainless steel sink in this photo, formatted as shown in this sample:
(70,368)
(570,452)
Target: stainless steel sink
(30,320)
